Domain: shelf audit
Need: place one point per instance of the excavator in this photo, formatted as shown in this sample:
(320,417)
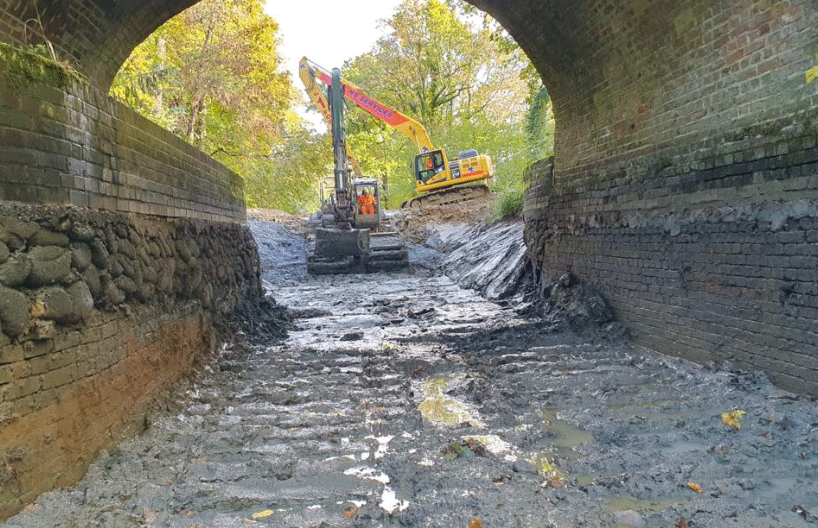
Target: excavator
(349,239)
(438,180)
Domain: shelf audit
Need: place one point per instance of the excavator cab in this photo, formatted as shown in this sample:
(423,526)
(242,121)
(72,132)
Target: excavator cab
(367,196)
(430,167)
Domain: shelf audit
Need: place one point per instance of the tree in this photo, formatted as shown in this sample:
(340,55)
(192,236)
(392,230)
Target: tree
(212,76)
(456,72)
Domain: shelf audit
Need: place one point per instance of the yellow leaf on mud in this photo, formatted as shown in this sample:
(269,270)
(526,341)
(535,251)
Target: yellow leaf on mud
(731,419)
(695,487)
(812,73)
(475,523)
(263,514)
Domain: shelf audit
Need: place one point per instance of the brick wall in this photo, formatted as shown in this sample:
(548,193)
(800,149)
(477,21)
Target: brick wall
(65,142)
(94,36)
(87,390)
(717,265)
(119,246)
(685,175)
(635,78)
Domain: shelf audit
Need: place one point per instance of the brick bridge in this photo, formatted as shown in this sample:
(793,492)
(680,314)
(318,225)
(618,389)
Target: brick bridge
(684,176)
(684,183)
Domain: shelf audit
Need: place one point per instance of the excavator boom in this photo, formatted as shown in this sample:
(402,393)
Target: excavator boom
(310,72)
(434,172)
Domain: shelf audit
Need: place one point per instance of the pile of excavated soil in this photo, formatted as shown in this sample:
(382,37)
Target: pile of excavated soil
(273,215)
(415,225)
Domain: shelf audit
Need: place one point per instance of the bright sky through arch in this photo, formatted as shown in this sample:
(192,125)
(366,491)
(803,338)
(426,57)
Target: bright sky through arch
(328,32)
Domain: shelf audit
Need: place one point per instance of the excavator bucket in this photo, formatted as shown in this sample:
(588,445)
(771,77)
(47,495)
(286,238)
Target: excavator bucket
(339,251)
(338,243)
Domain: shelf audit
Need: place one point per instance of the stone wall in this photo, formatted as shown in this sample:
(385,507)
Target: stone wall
(100,312)
(120,246)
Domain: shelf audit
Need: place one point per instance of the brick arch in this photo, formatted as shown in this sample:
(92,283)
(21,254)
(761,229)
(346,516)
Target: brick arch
(685,176)
(95,36)
(631,77)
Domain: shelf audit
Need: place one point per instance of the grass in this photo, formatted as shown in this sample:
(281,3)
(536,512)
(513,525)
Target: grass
(507,204)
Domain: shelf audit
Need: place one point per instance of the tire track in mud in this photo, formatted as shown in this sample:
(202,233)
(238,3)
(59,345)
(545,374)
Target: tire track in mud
(403,400)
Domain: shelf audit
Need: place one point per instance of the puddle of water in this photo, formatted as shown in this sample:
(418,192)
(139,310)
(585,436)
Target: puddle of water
(440,408)
(564,437)
(583,479)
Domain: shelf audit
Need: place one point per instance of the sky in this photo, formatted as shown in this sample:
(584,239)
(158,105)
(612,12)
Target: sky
(328,32)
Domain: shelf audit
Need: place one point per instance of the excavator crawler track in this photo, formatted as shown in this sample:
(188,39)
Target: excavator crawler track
(451,195)
(387,252)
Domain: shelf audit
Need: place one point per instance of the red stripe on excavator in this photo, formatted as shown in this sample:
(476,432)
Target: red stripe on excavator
(374,107)
(367,103)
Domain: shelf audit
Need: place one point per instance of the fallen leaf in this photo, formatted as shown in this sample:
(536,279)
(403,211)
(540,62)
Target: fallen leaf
(731,419)
(350,513)
(263,514)
(695,487)
(682,523)
(475,523)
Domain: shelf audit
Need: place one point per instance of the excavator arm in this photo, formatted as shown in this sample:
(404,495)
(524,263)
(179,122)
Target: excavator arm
(311,73)
(319,99)
(434,172)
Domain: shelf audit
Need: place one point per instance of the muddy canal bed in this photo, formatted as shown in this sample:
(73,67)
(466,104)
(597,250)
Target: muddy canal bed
(404,400)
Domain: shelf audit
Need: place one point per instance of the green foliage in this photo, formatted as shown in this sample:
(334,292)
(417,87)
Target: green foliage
(211,75)
(507,204)
(464,79)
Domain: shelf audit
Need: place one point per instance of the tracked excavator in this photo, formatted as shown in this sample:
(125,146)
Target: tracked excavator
(438,180)
(350,238)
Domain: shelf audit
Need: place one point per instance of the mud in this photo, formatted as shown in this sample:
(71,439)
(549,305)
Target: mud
(404,400)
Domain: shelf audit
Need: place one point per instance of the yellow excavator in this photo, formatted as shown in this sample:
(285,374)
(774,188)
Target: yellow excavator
(438,180)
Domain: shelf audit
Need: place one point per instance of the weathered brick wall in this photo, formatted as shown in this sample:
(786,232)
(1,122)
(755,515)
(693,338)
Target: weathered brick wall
(685,176)
(63,141)
(632,78)
(119,246)
(94,36)
(718,264)
(65,399)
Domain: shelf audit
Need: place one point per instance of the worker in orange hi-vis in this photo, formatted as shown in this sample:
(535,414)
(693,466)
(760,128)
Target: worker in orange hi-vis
(367,203)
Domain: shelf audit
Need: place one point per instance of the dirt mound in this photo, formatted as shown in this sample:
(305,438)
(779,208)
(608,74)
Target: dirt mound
(414,224)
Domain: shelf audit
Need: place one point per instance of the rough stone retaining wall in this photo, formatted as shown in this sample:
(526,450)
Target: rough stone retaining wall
(120,245)
(99,312)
